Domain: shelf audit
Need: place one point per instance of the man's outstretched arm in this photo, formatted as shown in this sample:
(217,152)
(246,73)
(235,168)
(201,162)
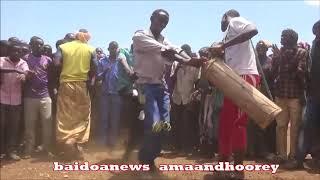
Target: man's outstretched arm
(183,58)
(249,32)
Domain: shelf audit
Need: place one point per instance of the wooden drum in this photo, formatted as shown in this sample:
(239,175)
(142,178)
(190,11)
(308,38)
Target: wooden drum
(250,100)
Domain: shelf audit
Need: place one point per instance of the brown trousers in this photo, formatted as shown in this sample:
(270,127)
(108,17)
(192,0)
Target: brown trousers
(291,112)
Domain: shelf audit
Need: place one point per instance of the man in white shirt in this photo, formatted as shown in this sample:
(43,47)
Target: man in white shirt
(152,52)
(240,57)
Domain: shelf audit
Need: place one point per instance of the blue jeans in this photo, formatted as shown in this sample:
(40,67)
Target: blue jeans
(156,108)
(110,119)
(309,128)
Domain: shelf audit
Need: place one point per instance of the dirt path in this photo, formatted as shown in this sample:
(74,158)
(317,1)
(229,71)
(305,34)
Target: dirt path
(41,168)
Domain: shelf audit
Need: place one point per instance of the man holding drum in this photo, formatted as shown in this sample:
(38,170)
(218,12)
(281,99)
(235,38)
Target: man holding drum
(240,57)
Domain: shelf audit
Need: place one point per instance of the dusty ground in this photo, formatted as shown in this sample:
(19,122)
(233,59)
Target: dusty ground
(41,168)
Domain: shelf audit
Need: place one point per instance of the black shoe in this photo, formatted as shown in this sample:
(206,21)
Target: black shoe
(293,164)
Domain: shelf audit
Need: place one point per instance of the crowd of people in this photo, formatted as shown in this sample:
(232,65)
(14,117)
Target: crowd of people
(54,103)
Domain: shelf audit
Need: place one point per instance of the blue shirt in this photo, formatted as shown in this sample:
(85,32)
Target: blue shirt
(108,71)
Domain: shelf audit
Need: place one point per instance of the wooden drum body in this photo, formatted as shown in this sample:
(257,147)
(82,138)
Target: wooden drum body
(250,100)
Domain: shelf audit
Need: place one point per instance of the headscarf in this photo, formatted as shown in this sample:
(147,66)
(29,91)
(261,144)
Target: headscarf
(83,35)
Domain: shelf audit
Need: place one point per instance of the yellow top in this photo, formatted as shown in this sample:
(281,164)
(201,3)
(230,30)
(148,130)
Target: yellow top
(76,61)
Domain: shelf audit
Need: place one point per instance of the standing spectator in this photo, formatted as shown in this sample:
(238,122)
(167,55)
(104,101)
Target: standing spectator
(261,142)
(60,42)
(100,54)
(211,100)
(54,75)
(126,74)
(37,102)
(13,73)
(308,140)
(54,79)
(182,112)
(47,50)
(95,96)
(73,103)
(4,45)
(14,40)
(125,86)
(289,70)
(25,49)
(108,71)
(131,105)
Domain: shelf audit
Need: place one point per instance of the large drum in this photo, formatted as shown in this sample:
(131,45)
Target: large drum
(250,100)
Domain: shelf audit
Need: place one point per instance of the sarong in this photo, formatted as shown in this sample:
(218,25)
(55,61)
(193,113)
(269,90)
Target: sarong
(233,124)
(73,112)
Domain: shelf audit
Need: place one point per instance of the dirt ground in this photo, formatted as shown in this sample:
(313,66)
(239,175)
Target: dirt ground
(42,168)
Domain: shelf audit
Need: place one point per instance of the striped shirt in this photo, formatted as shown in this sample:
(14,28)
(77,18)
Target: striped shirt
(11,86)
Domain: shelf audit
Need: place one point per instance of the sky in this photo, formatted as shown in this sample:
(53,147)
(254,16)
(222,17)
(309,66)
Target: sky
(196,23)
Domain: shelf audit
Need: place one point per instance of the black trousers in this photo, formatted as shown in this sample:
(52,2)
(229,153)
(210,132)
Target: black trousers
(129,117)
(261,141)
(184,126)
(10,127)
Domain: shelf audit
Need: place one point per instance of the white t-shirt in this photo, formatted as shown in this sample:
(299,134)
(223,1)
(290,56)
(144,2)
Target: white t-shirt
(240,57)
